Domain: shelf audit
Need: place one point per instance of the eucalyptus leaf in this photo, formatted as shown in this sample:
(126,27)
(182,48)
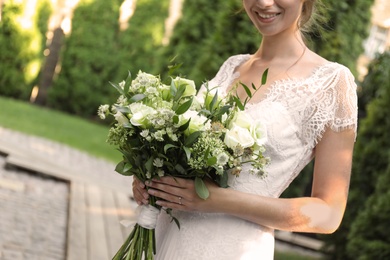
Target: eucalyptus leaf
(136,98)
(201,188)
(124,110)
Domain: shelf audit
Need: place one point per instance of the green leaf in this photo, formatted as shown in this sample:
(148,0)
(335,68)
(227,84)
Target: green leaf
(149,165)
(124,110)
(201,188)
(211,161)
(127,83)
(180,91)
(247,90)
(184,107)
(121,91)
(223,181)
(264,77)
(175,119)
(222,110)
(254,87)
(123,168)
(214,101)
(173,88)
(184,126)
(136,98)
(180,169)
(192,138)
(238,103)
(168,146)
(176,221)
(187,151)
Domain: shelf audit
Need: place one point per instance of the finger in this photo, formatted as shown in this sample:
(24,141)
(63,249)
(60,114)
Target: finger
(167,197)
(178,182)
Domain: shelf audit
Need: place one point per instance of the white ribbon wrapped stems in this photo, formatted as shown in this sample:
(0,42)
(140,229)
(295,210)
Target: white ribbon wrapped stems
(147,217)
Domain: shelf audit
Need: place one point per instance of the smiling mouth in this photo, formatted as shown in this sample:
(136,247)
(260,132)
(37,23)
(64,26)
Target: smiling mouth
(267,16)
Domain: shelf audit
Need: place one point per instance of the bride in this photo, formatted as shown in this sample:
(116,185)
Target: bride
(309,108)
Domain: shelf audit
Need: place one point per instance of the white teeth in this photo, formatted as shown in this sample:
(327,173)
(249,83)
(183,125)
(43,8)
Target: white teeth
(267,16)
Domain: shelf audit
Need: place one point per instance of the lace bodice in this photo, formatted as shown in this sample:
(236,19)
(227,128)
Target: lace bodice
(296,113)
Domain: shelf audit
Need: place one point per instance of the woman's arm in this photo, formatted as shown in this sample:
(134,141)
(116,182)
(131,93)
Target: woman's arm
(320,213)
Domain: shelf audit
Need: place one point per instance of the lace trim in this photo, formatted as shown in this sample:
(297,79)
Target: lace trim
(330,88)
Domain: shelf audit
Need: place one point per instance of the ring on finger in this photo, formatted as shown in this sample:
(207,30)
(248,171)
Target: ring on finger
(180,200)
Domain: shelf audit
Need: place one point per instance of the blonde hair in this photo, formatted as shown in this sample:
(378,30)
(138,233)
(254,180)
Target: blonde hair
(309,16)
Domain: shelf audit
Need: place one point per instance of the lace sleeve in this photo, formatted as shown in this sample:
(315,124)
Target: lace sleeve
(345,103)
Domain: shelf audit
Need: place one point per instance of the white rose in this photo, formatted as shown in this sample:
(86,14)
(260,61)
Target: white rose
(197,123)
(120,118)
(242,119)
(259,133)
(190,86)
(238,135)
(140,113)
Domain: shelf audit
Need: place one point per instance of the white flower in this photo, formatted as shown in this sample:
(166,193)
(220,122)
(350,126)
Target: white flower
(222,159)
(190,86)
(103,110)
(144,133)
(140,113)
(122,119)
(197,123)
(159,135)
(122,84)
(238,136)
(242,119)
(259,133)
(160,173)
(158,162)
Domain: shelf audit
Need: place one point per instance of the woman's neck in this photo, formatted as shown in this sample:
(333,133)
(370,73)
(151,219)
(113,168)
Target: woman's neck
(280,47)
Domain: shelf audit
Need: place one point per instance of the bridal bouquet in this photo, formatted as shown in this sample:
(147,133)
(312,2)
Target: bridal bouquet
(170,130)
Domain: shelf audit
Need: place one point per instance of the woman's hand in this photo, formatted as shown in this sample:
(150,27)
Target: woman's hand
(180,194)
(140,193)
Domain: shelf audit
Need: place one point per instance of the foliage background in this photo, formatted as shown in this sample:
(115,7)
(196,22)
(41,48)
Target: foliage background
(97,51)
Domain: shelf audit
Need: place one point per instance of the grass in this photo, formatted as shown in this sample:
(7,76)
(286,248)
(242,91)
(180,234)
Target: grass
(291,256)
(76,132)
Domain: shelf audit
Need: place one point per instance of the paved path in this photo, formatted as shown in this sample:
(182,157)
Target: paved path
(35,207)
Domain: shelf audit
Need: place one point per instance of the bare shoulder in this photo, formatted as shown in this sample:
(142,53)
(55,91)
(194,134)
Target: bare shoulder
(312,60)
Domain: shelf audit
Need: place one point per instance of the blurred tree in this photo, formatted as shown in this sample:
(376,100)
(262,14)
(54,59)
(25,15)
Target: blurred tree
(344,26)
(369,235)
(90,59)
(139,43)
(15,53)
(53,45)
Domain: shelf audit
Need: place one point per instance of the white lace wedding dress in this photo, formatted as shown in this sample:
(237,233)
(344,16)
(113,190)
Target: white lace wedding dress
(296,113)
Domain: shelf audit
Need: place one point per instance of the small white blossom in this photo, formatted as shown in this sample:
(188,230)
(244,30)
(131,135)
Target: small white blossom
(158,162)
(160,173)
(103,110)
